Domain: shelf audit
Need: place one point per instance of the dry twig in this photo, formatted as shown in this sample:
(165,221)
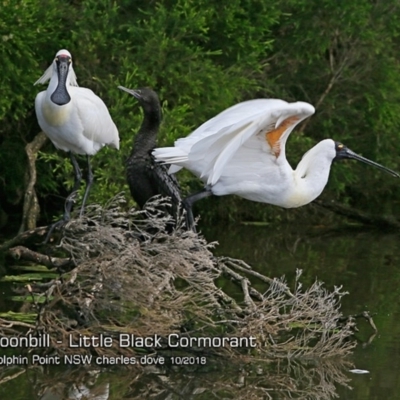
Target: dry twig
(134,277)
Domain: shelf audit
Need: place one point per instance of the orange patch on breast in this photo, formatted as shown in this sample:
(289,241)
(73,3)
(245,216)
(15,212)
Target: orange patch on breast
(273,137)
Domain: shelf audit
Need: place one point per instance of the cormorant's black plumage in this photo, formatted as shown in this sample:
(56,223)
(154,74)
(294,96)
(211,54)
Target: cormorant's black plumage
(146,177)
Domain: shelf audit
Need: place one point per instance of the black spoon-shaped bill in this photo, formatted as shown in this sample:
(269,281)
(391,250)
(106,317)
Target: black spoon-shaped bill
(343,152)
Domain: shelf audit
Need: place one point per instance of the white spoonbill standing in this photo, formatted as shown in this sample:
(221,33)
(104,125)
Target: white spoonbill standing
(75,120)
(242,151)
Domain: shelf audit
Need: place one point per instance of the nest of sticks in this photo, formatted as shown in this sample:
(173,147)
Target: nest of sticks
(132,275)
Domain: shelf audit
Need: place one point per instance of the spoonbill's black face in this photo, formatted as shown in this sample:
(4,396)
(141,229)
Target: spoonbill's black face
(343,152)
(63,61)
(60,95)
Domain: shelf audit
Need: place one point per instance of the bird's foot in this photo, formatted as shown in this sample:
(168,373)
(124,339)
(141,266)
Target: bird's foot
(57,225)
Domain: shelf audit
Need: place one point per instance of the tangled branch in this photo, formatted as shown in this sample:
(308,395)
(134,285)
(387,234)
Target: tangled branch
(133,276)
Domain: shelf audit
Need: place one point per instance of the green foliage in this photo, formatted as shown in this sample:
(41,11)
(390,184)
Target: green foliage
(22,29)
(343,58)
(26,29)
(201,57)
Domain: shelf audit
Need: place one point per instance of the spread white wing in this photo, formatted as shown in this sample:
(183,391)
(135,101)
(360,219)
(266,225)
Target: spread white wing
(240,134)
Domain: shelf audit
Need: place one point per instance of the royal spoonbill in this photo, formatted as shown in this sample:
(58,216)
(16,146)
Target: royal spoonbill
(242,151)
(147,178)
(74,118)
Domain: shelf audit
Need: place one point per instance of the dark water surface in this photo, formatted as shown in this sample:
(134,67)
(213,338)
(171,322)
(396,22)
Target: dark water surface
(366,263)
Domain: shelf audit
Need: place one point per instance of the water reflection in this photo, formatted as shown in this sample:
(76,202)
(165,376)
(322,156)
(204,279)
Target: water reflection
(361,261)
(366,263)
(312,380)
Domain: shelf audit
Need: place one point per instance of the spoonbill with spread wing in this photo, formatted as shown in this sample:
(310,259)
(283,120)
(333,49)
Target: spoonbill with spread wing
(75,120)
(242,151)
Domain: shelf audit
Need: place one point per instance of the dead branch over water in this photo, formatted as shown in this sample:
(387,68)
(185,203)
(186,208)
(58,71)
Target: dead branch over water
(134,277)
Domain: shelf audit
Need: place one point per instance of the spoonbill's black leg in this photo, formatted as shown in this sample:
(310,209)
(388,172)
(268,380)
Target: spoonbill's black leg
(77,183)
(70,199)
(89,182)
(187,204)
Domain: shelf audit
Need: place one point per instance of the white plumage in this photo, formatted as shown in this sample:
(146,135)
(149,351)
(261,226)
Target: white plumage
(242,151)
(83,125)
(74,118)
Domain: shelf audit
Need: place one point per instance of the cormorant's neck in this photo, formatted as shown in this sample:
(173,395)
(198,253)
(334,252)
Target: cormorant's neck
(146,138)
